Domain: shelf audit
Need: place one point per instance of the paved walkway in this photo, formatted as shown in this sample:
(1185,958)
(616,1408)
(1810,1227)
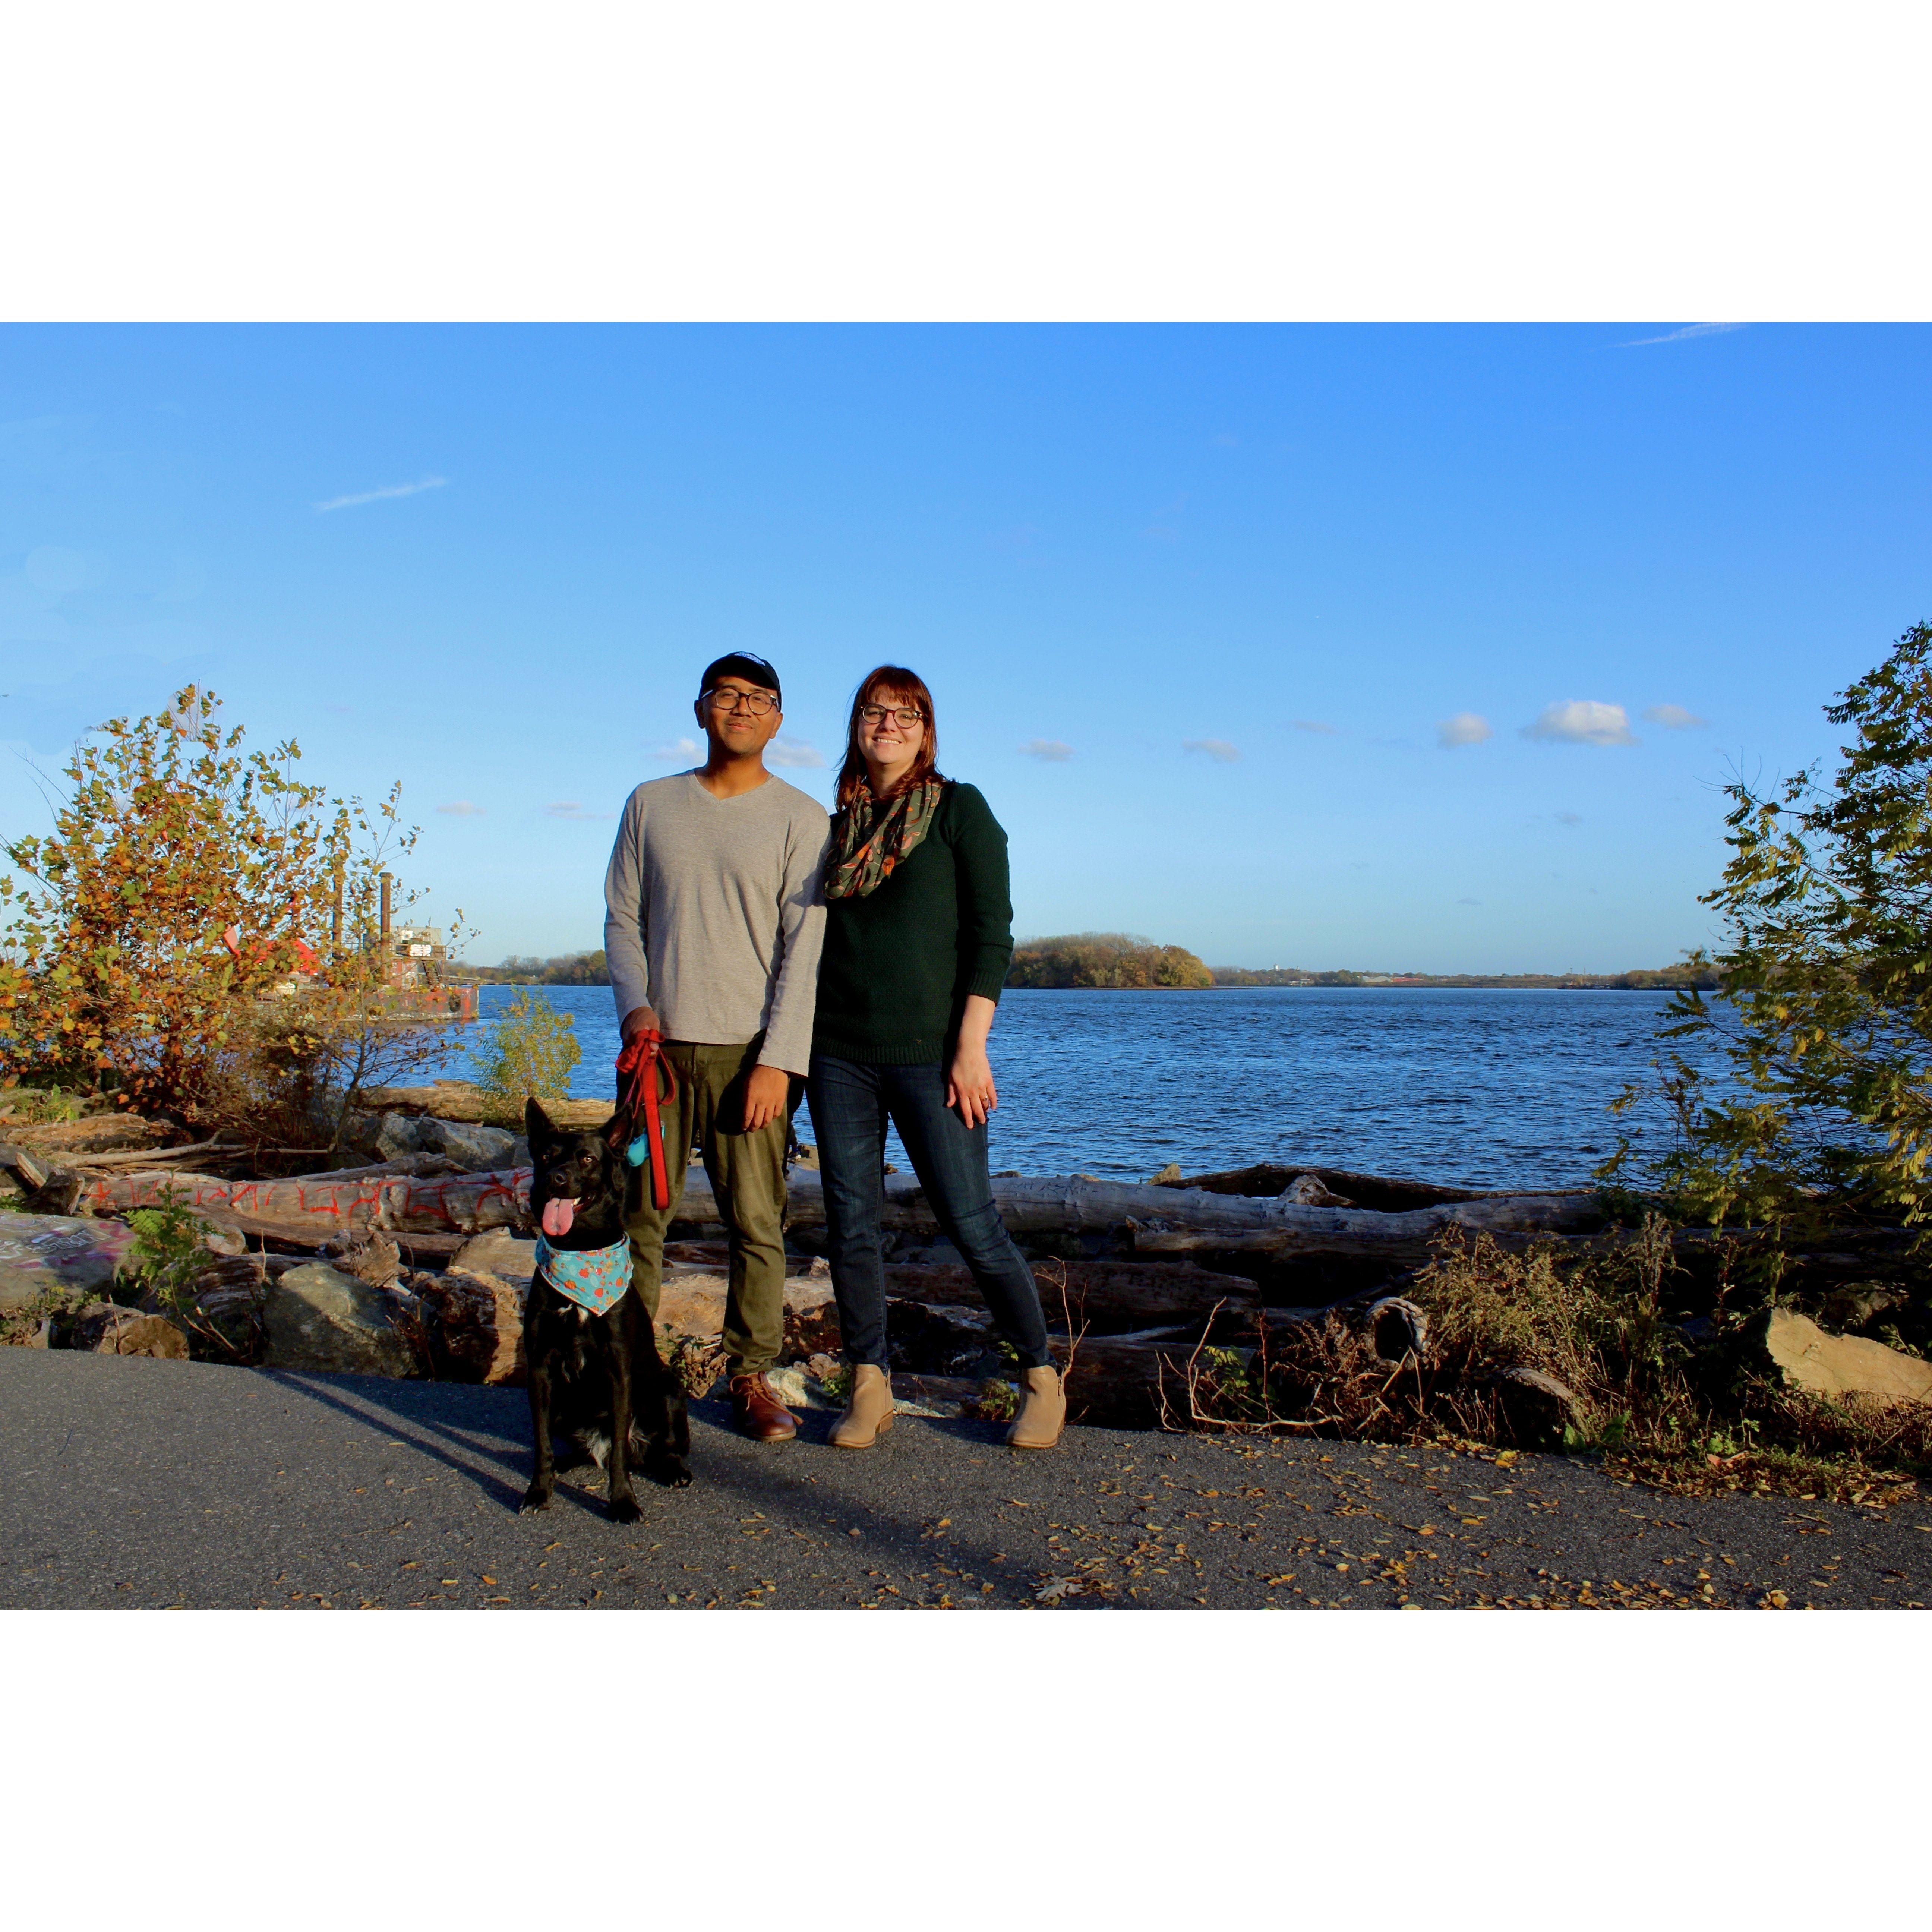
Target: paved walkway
(132,1482)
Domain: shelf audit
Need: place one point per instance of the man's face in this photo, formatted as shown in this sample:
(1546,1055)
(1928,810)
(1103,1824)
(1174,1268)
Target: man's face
(732,719)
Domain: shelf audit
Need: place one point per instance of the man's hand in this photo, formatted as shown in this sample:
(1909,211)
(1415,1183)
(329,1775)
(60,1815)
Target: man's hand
(767,1090)
(639,1019)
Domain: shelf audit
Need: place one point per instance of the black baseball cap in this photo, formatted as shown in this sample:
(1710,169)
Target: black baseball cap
(740,664)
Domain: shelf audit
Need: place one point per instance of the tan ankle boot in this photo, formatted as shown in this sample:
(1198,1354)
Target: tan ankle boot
(1043,1414)
(868,1414)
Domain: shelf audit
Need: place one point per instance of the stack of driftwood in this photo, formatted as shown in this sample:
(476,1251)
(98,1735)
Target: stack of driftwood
(1136,1278)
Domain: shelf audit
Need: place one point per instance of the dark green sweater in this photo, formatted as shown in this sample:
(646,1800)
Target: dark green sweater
(898,964)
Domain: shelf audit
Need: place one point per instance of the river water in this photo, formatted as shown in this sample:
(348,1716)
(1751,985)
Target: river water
(1473,1088)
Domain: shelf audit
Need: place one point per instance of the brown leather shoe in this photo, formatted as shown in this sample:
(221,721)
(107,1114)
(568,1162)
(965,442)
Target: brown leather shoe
(756,1410)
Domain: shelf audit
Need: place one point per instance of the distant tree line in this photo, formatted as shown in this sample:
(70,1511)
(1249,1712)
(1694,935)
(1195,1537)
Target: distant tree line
(567,969)
(1684,977)
(1105,959)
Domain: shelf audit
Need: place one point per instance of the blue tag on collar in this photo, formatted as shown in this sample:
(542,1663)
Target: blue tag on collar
(639,1151)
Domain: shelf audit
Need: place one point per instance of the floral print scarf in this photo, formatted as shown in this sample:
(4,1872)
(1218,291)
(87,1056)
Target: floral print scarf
(869,838)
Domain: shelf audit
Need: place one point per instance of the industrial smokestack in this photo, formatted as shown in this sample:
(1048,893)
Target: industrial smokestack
(384,933)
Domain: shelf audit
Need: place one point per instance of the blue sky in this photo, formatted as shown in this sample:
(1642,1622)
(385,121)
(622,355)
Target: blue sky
(1195,603)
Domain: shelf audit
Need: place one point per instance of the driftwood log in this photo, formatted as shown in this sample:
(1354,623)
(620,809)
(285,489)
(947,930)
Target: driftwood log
(1159,1220)
(1118,1295)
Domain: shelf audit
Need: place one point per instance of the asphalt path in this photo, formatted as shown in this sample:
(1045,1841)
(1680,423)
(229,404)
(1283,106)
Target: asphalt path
(131,1482)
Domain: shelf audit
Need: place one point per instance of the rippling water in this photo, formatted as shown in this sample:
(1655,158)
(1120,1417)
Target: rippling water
(1472,1088)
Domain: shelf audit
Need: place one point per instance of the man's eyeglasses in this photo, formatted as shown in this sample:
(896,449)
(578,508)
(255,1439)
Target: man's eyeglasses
(756,702)
(905,716)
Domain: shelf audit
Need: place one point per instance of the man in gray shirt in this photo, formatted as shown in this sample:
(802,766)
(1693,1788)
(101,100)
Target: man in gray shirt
(713,924)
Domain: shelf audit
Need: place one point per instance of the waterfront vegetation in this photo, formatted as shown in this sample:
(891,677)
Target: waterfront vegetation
(197,938)
(1114,960)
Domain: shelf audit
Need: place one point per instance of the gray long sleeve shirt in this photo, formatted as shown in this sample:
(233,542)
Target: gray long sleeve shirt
(714,916)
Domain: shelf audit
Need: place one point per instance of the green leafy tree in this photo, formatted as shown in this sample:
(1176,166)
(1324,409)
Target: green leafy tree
(1826,1017)
(532,1052)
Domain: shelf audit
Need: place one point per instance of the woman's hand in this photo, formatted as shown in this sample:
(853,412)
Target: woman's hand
(969,1091)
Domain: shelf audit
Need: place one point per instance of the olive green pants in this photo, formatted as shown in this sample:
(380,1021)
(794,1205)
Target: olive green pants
(747,1175)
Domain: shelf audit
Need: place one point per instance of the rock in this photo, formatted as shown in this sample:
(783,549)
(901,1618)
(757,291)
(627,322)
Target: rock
(43,1251)
(1535,1407)
(807,1155)
(1308,1192)
(693,1305)
(322,1319)
(499,1253)
(1170,1176)
(1803,1356)
(1859,1302)
(396,1134)
(370,1257)
(105,1328)
(796,1389)
(475,1148)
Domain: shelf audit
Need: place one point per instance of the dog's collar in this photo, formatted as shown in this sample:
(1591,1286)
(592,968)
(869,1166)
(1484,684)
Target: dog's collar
(594,1278)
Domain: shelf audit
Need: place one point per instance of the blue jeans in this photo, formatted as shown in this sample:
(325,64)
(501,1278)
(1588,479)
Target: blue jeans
(849,1104)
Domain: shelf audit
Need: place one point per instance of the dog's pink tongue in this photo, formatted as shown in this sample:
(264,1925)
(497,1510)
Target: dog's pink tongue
(557,1215)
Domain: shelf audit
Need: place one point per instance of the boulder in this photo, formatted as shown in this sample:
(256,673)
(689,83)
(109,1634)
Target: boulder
(475,1148)
(1803,1356)
(320,1318)
(692,1304)
(396,1134)
(43,1251)
(105,1328)
(370,1256)
(1535,1407)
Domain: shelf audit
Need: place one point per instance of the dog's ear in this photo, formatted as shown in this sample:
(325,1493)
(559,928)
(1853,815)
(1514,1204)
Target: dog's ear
(537,1126)
(617,1133)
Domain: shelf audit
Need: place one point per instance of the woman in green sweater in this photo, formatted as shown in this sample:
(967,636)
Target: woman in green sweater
(918,936)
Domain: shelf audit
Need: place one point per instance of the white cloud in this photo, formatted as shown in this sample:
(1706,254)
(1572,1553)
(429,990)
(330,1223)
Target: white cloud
(462,808)
(377,495)
(1466,728)
(1051,751)
(571,809)
(1688,334)
(680,747)
(1315,725)
(1672,717)
(788,751)
(1218,749)
(1582,721)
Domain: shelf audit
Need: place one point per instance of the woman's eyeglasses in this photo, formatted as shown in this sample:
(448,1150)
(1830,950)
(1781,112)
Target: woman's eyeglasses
(905,716)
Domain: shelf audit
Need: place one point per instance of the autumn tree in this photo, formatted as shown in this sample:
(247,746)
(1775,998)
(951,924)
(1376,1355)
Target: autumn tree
(197,933)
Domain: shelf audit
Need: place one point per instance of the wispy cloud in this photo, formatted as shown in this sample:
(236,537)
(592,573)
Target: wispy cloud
(462,808)
(1688,334)
(1315,725)
(1582,721)
(679,748)
(1466,728)
(1050,751)
(791,752)
(1672,717)
(1218,749)
(378,495)
(1569,818)
(571,809)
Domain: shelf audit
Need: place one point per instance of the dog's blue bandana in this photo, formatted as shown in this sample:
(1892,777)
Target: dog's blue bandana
(594,1278)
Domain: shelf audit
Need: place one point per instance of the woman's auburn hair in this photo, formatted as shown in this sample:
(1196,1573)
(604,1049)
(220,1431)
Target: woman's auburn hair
(909,688)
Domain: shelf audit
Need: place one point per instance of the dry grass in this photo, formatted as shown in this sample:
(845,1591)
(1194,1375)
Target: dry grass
(1603,1326)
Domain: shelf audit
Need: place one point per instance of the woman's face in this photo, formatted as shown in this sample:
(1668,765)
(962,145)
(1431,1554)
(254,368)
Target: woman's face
(890,731)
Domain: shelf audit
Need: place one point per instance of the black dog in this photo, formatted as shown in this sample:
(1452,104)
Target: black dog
(595,1380)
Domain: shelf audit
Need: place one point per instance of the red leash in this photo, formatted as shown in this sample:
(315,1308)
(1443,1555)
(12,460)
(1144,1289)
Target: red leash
(638,1067)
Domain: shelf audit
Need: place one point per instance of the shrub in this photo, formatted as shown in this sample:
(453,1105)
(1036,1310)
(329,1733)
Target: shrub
(532,1052)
